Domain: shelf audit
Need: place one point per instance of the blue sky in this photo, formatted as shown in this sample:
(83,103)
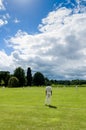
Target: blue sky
(47,35)
(26,16)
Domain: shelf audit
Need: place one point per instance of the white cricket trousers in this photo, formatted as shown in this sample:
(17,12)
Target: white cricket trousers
(48,99)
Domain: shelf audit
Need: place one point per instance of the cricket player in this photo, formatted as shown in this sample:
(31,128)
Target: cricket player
(48,92)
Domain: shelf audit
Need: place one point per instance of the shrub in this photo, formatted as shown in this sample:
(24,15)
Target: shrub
(13,82)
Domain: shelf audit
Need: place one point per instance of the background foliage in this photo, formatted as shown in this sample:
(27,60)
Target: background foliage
(38,79)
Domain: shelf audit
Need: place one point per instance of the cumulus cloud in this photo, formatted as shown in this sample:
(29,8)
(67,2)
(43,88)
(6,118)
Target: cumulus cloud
(6,62)
(59,51)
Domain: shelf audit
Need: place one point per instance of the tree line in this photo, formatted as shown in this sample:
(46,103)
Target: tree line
(19,79)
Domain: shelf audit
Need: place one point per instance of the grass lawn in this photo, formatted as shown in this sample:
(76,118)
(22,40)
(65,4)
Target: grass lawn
(24,109)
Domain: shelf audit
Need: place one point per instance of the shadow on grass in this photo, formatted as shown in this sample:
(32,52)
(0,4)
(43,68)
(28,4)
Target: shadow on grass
(51,106)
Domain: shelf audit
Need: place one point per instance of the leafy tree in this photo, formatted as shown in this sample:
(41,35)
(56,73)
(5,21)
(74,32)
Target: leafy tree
(38,79)
(75,82)
(4,75)
(29,77)
(2,83)
(47,81)
(13,82)
(20,74)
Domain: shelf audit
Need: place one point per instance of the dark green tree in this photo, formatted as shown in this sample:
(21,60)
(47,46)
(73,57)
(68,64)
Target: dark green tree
(20,74)
(13,82)
(2,83)
(38,79)
(47,81)
(4,75)
(29,77)
(75,82)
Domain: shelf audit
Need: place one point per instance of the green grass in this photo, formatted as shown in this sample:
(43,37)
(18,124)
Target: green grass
(24,109)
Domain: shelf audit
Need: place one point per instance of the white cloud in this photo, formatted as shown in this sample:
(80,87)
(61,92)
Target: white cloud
(59,50)
(6,16)
(3,22)
(6,62)
(2,5)
(16,21)
(54,20)
(4,19)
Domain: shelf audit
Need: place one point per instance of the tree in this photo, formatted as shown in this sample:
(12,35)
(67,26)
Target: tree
(20,74)
(29,77)
(75,82)
(2,83)
(13,82)
(4,75)
(46,81)
(38,79)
